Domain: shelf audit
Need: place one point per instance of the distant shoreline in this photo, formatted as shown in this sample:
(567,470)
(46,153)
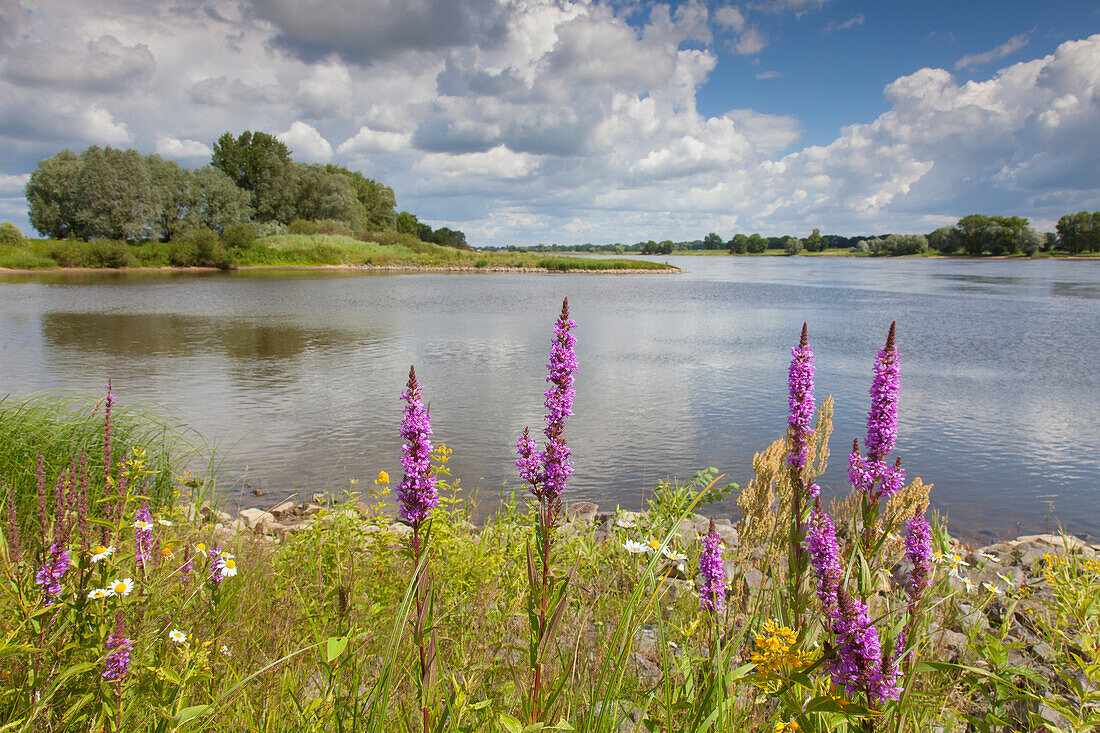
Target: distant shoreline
(395,269)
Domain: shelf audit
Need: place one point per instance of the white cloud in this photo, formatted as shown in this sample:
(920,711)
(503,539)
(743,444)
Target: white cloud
(306,143)
(106,65)
(750,42)
(13,184)
(326,92)
(769,75)
(499,162)
(1009,47)
(731,17)
(171,147)
(368,140)
(856,20)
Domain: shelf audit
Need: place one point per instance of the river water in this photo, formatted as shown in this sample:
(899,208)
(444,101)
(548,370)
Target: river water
(299,375)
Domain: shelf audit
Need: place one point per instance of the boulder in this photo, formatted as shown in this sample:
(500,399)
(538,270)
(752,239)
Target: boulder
(257,519)
(581,511)
(283,509)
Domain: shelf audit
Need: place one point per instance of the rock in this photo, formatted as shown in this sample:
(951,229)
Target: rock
(283,509)
(256,519)
(1054,717)
(215,516)
(259,492)
(399,529)
(581,511)
(754,580)
(727,532)
(1054,540)
(1044,652)
(951,643)
(309,509)
(228,532)
(604,532)
(971,618)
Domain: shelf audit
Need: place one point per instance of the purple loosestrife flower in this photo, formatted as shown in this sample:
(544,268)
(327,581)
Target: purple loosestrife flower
(712,595)
(825,557)
(857,666)
(800,382)
(118,661)
(918,548)
(548,483)
(49,577)
(217,568)
(882,420)
(143,535)
(417,491)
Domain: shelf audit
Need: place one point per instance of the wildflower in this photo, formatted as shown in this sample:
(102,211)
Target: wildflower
(229,567)
(417,490)
(49,577)
(547,471)
(164,522)
(118,661)
(625,521)
(992,588)
(712,594)
(120,588)
(143,534)
(102,553)
(635,548)
(918,548)
(1008,581)
(824,556)
(872,475)
(177,636)
(166,551)
(200,548)
(674,556)
(858,665)
(97,593)
(776,649)
(225,651)
(383,479)
(789,727)
(654,545)
(217,567)
(800,382)
(969,583)
(986,556)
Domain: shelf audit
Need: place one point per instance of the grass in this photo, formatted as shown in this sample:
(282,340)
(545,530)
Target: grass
(310,632)
(303,251)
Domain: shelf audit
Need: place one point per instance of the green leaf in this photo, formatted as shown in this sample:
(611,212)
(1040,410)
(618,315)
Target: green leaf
(510,723)
(191,713)
(335,647)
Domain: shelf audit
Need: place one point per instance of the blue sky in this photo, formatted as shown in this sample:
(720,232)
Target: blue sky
(525,121)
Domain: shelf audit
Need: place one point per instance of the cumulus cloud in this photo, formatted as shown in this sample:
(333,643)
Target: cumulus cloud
(222,92)
(171,147)
(731,17)
(369,140)
(750,42)
(499,162)
(326,92)
(13,184)
(105,65)
(1009,47)
(59,119)
(306,143)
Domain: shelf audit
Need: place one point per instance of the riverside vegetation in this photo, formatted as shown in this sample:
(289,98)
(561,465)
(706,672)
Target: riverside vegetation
(130,601)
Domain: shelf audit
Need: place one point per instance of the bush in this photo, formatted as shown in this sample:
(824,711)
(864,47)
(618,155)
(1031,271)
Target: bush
(334,227)
(10,236)
(108,253)
(391,238)
(239,236)
(268,229)
(793,246)
(201,248)
(67,253)
(301,226)
(861,248)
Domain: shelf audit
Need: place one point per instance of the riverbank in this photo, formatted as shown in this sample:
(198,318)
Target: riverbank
(397,253)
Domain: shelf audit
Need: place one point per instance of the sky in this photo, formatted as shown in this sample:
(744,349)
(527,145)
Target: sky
(565,121)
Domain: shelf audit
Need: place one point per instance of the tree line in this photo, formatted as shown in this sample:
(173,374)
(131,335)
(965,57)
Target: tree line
(108,193)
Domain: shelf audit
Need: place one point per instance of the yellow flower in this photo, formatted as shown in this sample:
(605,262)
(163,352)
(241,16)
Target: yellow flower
(166,552)
(383,479)
(790,727)
(98,593)
(120,588)
(102,553)
(177,636)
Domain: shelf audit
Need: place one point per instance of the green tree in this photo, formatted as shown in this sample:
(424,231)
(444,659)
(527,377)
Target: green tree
(52,195)
(115,198)
(10,236)
(188,199)
(946,240)
(325,194)
(756,244)
(377,200)
(738,244)
(450,238)
(793,246)
(407,223)
(1079,232)
(260,164)
(815,242)
(712,241)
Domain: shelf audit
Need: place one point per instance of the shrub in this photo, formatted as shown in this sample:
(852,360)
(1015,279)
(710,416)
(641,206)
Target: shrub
(108,253)
(793,246)
(67,252)
(268,229)
(333,227)
(10,236)
(301,226)
(201,248)
(239,236)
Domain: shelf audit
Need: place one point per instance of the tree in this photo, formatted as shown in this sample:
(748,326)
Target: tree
(377,200)
(815,242)
(1079,232)
(712,241)
(325,194)
(407,223)
(260,164)
(10,236)
(450,238)
(52,195)
(946,240)
(189,199)
(793,246)
(738,245)
(114,194)
(1030,241)
(756,244)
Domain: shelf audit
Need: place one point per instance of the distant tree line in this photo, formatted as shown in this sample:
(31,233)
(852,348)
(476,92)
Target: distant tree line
(107,193)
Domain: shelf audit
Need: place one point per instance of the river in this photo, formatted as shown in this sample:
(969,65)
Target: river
(299,375)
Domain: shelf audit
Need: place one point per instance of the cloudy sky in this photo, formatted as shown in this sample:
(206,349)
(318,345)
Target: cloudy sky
(526,121)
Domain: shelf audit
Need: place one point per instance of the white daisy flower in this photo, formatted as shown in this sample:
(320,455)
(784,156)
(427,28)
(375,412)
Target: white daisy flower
(143,525)
(986,556)
(653,545)
(102,553)
(625,522)
(164,522)
(1008,581)
(120,588)
(956,560)
(200,548)
(98,593)
(229,566)
(177,636)
(635,548)
(993,589)
(674,556)
(969,584)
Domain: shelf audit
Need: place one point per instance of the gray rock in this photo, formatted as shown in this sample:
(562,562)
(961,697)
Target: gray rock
(309,509)
(1055,718)
(971,619)
(256,519)
(1054,540)
(215,516)
(282,509)
(1044,652)
(581,511)
(402,530)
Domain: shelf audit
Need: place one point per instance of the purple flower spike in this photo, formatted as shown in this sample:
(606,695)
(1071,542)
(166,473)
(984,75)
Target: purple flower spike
(882,420)
(548,483)
(118,661)
(918,548)
(712,595)
(417,491)
(825,557)
(800,382)
(49,577)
